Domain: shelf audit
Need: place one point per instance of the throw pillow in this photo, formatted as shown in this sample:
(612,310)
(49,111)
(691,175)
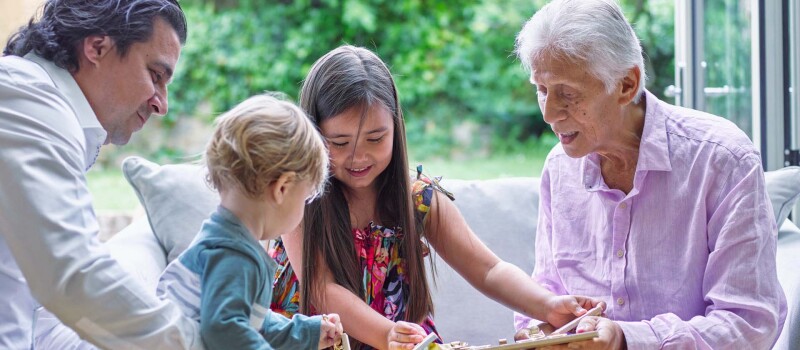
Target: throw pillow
(783,188)
(175,197)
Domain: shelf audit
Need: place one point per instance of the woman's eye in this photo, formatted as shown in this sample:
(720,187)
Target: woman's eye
(376,140)
(338,144)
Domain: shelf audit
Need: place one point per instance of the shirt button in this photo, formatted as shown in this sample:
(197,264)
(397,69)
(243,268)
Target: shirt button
(620,301)
(623,205)
(620,253)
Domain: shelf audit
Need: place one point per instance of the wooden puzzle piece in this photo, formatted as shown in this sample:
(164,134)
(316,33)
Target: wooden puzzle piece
(596,311)
(343,344)
(520,345)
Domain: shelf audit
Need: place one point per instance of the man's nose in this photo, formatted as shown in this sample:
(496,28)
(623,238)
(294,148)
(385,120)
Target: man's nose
(159,104)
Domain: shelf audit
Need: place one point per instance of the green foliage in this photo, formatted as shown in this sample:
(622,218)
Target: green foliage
(453,60)
(727,45)
(654,24)
(110,191)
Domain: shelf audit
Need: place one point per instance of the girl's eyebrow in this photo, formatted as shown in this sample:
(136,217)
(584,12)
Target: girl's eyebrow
(378,130)
(374,131)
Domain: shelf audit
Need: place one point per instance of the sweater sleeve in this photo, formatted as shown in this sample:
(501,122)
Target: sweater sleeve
(300,332)
(230,318)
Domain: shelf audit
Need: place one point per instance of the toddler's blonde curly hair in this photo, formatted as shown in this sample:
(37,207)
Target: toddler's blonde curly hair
(260,139)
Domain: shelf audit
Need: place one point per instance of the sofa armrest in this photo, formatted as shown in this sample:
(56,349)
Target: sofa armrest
(139,252)
(787,261)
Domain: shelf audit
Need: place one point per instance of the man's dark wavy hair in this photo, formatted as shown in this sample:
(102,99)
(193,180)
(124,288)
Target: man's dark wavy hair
(64,23)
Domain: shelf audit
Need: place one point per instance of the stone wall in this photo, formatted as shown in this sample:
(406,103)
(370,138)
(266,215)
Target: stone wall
(113,222)
(13,14)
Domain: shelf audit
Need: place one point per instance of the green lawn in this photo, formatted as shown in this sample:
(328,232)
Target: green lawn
(518,165)
(112,192)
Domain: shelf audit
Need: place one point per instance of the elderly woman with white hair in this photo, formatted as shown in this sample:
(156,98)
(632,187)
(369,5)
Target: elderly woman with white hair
(659,210)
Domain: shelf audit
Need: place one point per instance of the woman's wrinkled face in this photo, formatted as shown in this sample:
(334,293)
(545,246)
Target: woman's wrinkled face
(576,105)
(360,144)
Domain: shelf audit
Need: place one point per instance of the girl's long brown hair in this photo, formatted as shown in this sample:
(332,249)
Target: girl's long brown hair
(344,78)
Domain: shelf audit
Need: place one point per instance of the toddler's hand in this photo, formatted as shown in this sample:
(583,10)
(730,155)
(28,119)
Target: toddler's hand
(404,335)
(330,330)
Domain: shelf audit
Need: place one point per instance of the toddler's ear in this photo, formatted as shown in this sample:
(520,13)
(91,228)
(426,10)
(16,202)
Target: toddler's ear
(281,186)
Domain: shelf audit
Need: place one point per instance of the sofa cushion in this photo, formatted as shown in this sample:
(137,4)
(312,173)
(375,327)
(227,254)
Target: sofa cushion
(175,197)
(139,252)
(502,213)
(787,260)
(783,187)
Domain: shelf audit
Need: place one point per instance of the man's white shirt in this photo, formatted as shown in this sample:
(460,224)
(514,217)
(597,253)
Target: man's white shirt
(49,251)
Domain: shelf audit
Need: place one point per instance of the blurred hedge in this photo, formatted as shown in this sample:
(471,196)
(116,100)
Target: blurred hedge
(453,60)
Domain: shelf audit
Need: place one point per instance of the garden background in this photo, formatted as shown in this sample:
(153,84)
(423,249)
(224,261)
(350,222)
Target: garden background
(470,111)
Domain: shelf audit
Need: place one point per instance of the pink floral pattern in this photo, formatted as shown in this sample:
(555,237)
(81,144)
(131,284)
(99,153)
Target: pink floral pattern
(385,284)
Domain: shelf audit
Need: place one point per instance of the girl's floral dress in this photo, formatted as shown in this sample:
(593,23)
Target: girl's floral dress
(384,271)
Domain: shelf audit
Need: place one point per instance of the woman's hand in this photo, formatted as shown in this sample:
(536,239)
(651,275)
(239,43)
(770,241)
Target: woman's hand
(564,308)
(405,335)
(330,330)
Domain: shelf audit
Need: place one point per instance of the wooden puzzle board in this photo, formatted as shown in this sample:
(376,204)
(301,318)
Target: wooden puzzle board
(525,344)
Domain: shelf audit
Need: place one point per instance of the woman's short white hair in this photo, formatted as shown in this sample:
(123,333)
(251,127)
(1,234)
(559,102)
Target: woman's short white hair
(593,33)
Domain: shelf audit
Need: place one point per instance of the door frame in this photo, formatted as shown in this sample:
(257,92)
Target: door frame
(775,105)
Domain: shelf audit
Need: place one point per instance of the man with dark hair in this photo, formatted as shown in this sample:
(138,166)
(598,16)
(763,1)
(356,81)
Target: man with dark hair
(84,74)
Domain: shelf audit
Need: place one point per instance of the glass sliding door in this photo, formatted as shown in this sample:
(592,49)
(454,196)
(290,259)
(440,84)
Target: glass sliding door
(726,63)
(792,151)
(713,59)
(793,122)
(739,59)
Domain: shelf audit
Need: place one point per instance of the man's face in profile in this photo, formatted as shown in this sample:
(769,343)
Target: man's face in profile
(125,91)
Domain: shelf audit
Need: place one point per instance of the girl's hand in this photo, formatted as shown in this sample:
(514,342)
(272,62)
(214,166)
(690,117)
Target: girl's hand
(405,335)
(330,330)
(564,308)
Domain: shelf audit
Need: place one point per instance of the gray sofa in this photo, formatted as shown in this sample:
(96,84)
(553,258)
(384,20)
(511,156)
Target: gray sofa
(502,213)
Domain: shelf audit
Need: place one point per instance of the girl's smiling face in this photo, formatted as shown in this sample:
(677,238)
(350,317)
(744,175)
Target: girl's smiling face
(360,143)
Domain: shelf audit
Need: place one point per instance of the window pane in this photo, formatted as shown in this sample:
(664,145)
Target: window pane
(727,61)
